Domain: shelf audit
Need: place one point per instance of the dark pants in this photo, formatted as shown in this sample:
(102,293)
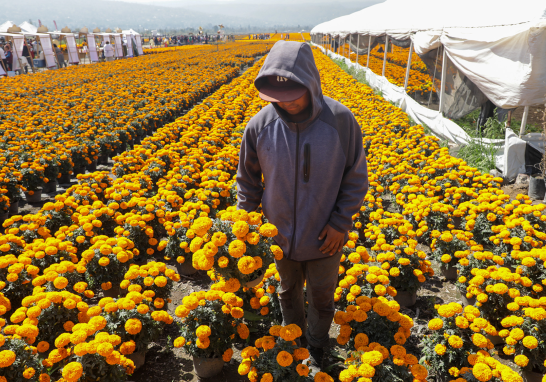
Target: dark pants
(321,276)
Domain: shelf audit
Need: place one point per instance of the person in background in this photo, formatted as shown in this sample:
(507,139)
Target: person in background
(3,58)
(60,56)
(27,58)
(108,51)
(9,57)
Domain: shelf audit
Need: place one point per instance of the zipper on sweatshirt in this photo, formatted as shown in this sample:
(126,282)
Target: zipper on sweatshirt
(295,190)
(306,162)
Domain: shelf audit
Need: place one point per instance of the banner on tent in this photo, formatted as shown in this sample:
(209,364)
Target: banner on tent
(72,49)
(119,46)
(45,42)
(18,43)
(129,38)
(92,46)
(139,45)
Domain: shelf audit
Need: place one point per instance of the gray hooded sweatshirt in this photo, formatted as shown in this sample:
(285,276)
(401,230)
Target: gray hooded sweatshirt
(314,171)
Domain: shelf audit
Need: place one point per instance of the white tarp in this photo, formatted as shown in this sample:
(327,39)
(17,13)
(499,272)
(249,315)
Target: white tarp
(139,45)
(47,47)
(129,38)
(92,45)
(500,47)
(71,48)
(118,46)
(441,127)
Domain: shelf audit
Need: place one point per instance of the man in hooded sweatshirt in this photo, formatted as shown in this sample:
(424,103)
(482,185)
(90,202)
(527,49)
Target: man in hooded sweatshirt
(309,149)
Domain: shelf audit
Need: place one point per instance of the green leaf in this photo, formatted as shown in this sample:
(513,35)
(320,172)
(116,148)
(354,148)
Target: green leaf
(249,316)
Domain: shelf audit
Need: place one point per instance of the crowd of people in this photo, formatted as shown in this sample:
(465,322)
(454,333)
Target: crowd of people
(260,36)
(30,50)
(188,39)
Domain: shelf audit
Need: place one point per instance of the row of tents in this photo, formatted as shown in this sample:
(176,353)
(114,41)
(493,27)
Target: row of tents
(18,35)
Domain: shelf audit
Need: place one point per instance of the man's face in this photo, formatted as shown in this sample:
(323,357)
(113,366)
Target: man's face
(296,106)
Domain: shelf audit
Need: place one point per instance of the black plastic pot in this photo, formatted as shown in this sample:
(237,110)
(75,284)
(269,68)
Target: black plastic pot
(537,188)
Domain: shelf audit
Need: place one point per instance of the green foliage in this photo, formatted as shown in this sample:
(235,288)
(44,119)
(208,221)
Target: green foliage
(24,358)
(266,362)
(97,369)
(151,329)
(222,325)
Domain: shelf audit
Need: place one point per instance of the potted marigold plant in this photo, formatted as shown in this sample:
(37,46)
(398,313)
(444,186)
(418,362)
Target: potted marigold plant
(523,334)
(210,321)
(280,358)
(240,247)
(4,206)
(135,323)
(455,334)
(107,261)
(33,175)
(408,269)
(377,363)
(153,280)
(19,363)
(376,316)
(447,247)
(486,368)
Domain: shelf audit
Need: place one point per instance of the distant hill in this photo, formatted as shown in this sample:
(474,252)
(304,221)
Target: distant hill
(236,16)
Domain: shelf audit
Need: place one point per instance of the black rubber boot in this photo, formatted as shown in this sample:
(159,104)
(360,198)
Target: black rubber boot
(314,362)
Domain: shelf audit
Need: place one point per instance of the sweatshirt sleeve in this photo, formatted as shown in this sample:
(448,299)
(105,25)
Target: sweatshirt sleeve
(354,184)
(249,173)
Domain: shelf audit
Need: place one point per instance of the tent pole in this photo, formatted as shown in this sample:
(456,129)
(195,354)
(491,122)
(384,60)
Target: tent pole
(385,54)
(443,79)
(369,50)
(357,47)
(408,66)
(524,120)
(339,45)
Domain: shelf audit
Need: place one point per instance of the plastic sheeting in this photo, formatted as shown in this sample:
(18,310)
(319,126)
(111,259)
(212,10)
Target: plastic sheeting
(499,46)
(441,127)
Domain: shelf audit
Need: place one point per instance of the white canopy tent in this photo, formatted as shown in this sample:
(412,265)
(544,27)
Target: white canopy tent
(136,38)
(27,27)
(4,27)
(498,45)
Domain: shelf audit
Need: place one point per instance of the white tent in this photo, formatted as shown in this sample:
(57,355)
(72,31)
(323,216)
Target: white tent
(130,31)
(499,45)
(4,27)
(27,27)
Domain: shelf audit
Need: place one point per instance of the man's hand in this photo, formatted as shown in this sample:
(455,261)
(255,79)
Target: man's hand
(334,240)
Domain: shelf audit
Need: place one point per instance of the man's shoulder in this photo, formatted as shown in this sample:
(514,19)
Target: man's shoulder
(262,119)
(336,107)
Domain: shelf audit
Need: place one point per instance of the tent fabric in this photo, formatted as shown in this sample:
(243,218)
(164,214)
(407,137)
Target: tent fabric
(130,31)
(4,27)
(500,47)
(28,27)
(510,157)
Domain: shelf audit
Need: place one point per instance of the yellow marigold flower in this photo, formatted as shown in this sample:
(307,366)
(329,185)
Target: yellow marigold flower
(133,326)
(268,230)
(72,372)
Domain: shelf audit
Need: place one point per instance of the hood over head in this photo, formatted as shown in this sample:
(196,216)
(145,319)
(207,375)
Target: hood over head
(293,60)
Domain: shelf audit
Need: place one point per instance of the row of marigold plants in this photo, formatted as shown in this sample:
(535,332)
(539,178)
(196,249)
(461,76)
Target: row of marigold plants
(59,123)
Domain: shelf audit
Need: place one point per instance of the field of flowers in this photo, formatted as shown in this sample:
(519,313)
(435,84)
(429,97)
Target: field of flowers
(86,282)
(395,69)
(56,123)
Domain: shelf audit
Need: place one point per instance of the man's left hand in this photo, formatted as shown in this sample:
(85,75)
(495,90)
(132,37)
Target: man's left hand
(334,240)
